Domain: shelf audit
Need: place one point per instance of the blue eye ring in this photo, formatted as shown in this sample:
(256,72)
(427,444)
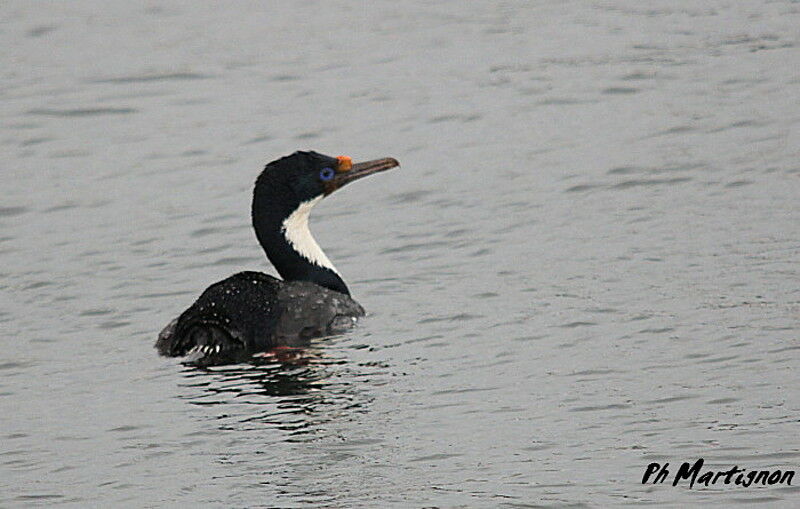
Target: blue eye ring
(326,174)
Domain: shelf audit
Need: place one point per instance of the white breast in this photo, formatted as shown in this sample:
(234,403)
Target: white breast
(295,229)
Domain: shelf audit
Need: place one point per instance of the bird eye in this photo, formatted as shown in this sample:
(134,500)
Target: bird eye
(326,174)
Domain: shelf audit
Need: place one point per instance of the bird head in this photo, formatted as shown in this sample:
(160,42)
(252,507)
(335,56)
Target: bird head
(305,176)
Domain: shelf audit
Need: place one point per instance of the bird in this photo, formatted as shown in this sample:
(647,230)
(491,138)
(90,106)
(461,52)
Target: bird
(252,312)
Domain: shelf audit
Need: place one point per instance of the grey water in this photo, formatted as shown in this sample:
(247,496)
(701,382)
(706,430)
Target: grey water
(588,261)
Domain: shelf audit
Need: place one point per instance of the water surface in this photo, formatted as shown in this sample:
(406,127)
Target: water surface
(588,261)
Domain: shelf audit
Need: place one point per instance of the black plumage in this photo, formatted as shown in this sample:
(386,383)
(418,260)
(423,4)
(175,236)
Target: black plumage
(252,312)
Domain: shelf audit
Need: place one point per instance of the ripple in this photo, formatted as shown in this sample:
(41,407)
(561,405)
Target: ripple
(12,211)
(96,312)
(148,78)
(415,247)
(309,135)
(680,129)
(124,429)
(203,232)
(670,399)
(409,196)
(715,360)
(612,406)
(454,117)
(722,401)
(435,457)
(573,325)
(35,141)
(61,207)
(9,365)
(82,112)
(620,90)
(627,184)
(625,170)
(235,261)
(258,139)
(739,183)
(41,30)
(738,125)
(564,101)
(453,318)
(590,372)
(464,390)
(285,77)
(38,496)
(113,324)
(637,76)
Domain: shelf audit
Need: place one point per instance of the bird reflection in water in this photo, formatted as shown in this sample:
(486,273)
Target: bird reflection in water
(295,390)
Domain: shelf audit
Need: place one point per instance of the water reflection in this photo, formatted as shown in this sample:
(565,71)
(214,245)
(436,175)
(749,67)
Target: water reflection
(296,393)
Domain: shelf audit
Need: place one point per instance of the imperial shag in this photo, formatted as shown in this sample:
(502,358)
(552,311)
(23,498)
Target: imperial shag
(253,312)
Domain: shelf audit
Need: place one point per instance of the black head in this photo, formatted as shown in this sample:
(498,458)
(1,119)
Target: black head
(298,177)
(304,176)
(285,192)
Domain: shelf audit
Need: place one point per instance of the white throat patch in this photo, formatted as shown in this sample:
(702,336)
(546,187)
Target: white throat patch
(295,229)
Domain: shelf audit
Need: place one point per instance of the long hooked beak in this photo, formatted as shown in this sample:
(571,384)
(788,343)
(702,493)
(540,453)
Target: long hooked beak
(358,170)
